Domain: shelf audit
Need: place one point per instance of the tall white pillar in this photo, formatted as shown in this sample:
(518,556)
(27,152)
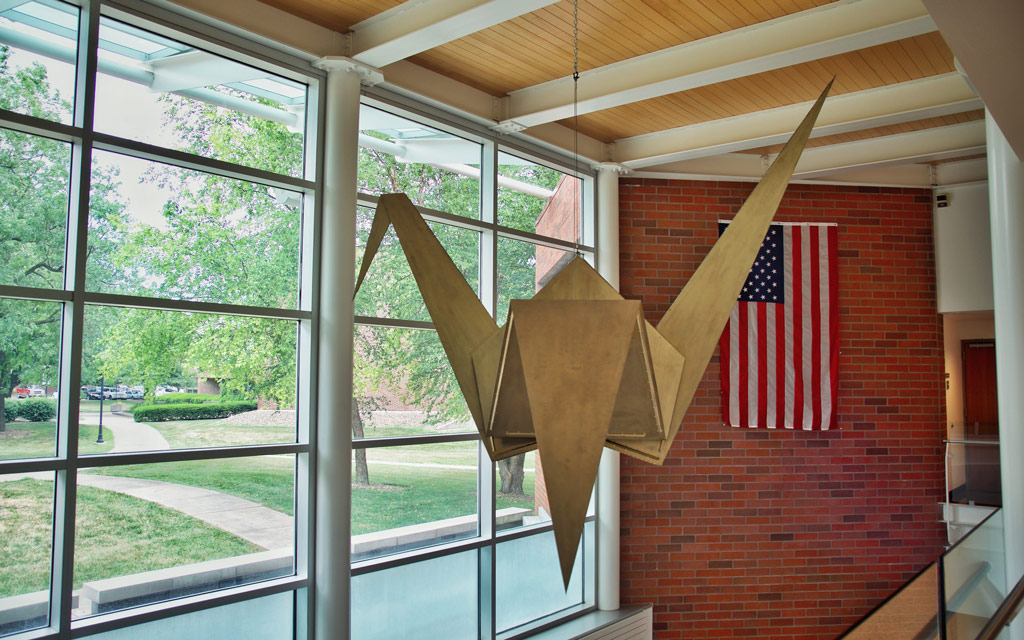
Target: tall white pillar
(608,474)
(1006,211)
(334,389)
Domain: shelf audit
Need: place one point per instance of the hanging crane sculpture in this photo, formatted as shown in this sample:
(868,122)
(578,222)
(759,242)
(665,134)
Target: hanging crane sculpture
(577,368)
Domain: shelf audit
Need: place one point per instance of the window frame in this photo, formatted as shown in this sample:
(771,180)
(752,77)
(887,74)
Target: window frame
(74,297)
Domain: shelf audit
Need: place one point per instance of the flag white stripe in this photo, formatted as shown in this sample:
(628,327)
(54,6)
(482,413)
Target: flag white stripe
(826,338)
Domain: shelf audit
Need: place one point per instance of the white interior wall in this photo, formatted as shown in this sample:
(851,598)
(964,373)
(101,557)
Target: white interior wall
(963,253)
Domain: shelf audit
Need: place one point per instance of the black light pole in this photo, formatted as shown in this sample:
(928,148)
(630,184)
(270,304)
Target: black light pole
(99,436)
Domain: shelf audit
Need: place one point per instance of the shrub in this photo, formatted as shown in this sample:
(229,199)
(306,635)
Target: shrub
(10,410)
(37,409)
(186,398)
(185,411)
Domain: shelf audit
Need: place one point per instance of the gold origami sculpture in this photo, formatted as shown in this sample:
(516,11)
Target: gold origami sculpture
(577,368)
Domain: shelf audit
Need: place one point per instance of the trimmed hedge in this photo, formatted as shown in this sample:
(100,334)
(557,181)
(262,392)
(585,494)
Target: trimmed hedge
(186,398)
(185,411)
(30,409)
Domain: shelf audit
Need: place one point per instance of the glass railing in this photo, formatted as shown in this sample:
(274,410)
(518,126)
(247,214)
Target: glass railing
(972,472)
(951,599)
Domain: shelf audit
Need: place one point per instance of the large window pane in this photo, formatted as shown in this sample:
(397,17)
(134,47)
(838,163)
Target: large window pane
(538,199)
(31,83)
(523,268)
(178,528)
(29,368)
(176,233)
(26,534)
(267,618)
(162,92)
(403,385)
(187,380)
(529,578)
(389,289)
(435,169)
(410,497)
(33,209)
(431,599)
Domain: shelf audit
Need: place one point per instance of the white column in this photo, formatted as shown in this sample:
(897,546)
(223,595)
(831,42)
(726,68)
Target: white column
(1006,210)
(334,390)
(608,474)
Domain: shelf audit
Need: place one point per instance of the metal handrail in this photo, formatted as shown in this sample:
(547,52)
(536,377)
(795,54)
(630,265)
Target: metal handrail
(1005,614)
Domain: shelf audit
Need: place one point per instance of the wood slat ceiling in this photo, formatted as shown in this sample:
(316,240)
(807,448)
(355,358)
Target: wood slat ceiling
(495,61)
(338,15)
(899,61)
(878,132)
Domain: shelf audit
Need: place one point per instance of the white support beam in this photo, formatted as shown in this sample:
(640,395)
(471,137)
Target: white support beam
(938,143)
(417,25)
(931,97)
(816,33)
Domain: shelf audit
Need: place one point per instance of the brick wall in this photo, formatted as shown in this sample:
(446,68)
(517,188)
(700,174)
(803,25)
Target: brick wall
(751,533)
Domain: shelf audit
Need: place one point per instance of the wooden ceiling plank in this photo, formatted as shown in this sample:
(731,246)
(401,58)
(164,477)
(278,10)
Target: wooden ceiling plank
(724,57)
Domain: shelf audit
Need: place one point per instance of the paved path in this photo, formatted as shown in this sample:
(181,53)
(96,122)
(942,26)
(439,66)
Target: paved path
(128,434)
(258,524)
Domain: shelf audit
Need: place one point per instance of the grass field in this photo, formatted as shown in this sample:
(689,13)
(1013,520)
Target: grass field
(115,535)
(38,440)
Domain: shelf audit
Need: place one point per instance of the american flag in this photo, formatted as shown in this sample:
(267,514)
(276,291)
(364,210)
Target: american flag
(780,350)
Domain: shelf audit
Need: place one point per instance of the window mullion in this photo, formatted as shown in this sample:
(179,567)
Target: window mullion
(65,496)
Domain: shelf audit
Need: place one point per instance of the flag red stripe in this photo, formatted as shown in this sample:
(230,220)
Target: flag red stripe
(815,302)
(798,342)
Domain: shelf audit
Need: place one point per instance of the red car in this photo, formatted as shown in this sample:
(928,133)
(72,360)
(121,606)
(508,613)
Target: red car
(21,392)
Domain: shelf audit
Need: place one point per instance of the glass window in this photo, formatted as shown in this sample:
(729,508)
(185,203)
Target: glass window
(538,199)
(523,269)
(33,209)
(146,533)
(404,386)
(267,618)
(529,578)
(159,91)
(26,538)
(389,289)
(29,367)
(436,170)
(37,58)
(410,497)
(158,230)
(420,600)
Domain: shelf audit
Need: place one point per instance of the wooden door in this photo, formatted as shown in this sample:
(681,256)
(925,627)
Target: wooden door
(981,409)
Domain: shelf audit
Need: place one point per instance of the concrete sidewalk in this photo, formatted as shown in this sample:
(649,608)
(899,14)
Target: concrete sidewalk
(128,434)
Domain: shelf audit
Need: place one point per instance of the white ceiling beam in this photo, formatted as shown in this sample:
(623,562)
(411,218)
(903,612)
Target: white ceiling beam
(816,33)
(931,97)
(928,145)
(417,25)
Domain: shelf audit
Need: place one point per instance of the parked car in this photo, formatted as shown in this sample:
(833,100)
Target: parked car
(93,393)
(136,393)
(20,392)
(36,392)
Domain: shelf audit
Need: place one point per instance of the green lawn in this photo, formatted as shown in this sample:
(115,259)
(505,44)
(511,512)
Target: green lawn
(266,480)
(116,535)
(38,440)
(190,434)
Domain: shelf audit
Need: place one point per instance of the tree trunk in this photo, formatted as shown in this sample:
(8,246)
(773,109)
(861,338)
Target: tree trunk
(362,471)
(3,417)
(510,470)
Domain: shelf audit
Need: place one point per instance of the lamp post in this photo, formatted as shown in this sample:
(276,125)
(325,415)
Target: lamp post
(99,434)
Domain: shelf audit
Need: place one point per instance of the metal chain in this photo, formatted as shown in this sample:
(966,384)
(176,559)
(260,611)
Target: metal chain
(576,119)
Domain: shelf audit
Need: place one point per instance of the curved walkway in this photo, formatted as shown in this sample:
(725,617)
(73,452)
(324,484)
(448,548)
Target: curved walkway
(250,521)
(128,434)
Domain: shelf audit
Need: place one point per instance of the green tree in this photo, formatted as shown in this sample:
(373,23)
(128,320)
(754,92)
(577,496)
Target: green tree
(34,185)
